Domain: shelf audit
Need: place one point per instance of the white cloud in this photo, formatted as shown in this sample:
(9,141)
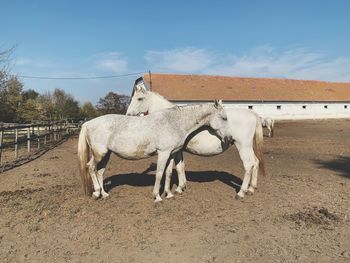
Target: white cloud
(24,61)
(180,60)
(262,61)
(111,61)
(37,63)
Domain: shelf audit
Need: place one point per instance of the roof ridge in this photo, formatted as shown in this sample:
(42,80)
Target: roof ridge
(243,78)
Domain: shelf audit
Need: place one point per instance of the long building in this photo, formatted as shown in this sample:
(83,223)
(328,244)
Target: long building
(282,99)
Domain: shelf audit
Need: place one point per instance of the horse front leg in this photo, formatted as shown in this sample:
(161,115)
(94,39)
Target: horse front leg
(270,131)
(161,164)
(168,174)
(180,169)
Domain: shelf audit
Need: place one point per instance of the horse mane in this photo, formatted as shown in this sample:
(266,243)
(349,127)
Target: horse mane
(158,95)
(192,106)
(183,107)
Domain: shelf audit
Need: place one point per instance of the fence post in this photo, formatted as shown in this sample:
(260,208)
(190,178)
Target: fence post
(45,135)
(16,143)
(28,139)
(38,135)
(58,131)
(1,140)
(54,132)
(50,132)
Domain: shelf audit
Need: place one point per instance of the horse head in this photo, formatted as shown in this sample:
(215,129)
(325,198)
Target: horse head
(218,122)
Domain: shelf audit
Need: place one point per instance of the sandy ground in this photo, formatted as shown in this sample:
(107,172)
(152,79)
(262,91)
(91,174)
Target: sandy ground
(300,212)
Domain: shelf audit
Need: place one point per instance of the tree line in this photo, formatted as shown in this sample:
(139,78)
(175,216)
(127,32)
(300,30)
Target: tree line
(25,106)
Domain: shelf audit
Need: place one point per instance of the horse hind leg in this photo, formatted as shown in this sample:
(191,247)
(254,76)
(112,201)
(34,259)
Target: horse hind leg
(248,158)
(101,167)
(254,179)
(93,163)
(92,171)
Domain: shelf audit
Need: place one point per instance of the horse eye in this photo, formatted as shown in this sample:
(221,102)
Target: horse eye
(140,99)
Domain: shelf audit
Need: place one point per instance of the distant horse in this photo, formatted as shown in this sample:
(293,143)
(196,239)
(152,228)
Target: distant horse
(268,123)
(163,133)
(245,129)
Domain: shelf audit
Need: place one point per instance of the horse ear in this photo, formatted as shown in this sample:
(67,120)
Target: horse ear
(143,89)
(140,88)
(217,103)
(137,88)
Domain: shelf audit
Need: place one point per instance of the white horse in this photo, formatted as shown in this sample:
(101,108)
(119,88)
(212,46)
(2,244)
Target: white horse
(163,133)
(268,123)
(245,129)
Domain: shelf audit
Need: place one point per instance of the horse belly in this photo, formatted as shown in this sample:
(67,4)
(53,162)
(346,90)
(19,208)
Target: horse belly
(134,151)
(205,144)
(129,156)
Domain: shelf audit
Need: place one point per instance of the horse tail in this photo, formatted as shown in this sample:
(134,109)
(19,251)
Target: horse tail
(83,155)
(258,145)
(272,124)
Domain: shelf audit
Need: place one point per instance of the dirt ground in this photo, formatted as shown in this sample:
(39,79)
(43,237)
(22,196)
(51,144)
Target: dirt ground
(300,212)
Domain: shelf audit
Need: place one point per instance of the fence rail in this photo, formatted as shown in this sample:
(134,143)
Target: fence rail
(31,139)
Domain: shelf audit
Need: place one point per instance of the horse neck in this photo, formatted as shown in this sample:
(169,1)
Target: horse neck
(158,102)
(195,116)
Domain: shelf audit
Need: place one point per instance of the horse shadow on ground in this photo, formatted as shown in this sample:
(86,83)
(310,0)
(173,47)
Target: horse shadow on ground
(341,165)
(146,179)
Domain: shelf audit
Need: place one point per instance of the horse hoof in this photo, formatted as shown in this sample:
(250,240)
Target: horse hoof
(105,195)
(178,190)
(169,195)
(96,195)
(239,196)
(251,190)
(158,200)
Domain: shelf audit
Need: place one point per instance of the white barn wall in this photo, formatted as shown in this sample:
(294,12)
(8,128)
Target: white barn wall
(292,110)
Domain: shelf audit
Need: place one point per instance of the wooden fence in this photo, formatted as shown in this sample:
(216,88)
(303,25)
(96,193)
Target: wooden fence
(30,139)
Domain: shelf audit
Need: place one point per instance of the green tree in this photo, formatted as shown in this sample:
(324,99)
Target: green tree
(3,102)
(10,98)
(65,106)
(6,113)
(59,98)
(71,109)
(29,111)
(29,94)
(113,103)
(46,107)
(88,111)
(14,96)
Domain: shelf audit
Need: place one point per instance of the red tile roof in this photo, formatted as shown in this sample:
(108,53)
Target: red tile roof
(205,88)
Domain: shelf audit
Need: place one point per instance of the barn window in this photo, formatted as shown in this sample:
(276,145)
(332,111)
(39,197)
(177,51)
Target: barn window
(345,106)
(304,106)
(250,107)
(325,106)
(278,107)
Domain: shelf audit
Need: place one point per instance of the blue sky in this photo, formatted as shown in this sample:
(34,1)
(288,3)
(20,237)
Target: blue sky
(285,39)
